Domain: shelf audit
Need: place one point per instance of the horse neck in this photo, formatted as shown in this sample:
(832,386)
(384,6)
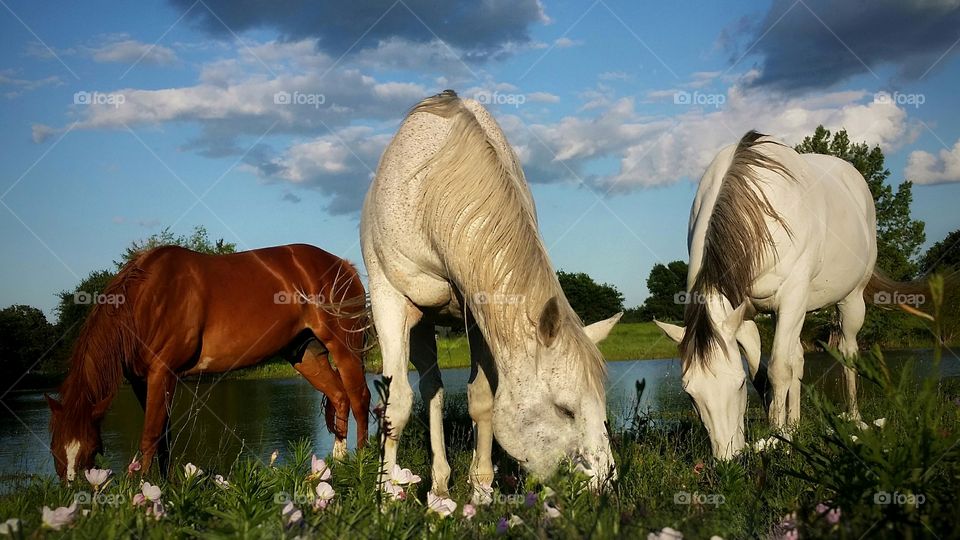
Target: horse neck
(96,363)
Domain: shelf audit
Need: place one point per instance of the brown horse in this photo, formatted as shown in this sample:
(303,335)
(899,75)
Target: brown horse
(174,312)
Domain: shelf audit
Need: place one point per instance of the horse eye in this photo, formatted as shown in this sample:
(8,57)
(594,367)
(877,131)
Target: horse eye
(565,411)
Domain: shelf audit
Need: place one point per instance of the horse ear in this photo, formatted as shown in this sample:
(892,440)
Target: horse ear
(672,331)
(55,405)
(735,319)
(549,326)
(599,330)
(100,409)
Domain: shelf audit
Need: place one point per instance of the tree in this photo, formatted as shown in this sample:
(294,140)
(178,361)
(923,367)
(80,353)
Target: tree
(899,236)
(25,340)
(666,286)
(198,241)
(944,256)
(75,305)
(592,301)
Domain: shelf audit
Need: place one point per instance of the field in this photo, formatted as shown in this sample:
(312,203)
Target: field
(899,480)
(627,341)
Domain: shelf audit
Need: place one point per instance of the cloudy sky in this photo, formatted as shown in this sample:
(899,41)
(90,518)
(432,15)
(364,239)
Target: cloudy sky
(264,121)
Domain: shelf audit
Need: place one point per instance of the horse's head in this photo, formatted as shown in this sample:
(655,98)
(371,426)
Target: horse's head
(75,438)
(558,411)
(714,377)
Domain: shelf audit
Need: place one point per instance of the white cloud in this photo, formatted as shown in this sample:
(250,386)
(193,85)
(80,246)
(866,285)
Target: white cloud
(660,150)
(926,168)
(128,51)
(565,42)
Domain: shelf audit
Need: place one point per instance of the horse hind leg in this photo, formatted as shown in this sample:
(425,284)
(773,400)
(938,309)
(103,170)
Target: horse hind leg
(345,351)
(315,367)
(852,312)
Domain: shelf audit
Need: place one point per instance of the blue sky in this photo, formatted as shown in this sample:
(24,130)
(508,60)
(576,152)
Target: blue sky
(614,107)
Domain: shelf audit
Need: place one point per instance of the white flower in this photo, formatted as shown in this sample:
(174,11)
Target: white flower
(274,456)
(291,514)
(10,526)
(395,491)
(324,494)
(469,511)
(150,492)
(56,519)
(880,422)
(156,510)
(514,521)
(666,534)
(440,505)
(221,481)
(551,511)
(761,445)
(190,470)
(97,477)
(403,476)
(483,494)
(319,469)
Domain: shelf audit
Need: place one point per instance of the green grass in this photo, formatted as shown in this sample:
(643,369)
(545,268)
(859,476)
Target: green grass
(667,478)
(627,341)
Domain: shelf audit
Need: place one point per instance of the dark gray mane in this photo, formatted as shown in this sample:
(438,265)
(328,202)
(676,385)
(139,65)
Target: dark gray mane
(735,244)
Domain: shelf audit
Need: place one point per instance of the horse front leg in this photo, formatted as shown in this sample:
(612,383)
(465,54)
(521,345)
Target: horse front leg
(393,316)
(423,351)
(480,405)
(784,372)
(155,439)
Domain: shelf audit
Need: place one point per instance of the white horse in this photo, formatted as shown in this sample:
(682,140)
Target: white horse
(775,231)
(449,230)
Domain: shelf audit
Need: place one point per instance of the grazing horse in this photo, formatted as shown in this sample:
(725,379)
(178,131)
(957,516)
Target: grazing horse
(177,312)
(773,231)
(449,231)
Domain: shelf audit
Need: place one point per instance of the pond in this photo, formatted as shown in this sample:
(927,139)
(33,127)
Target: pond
(215,422)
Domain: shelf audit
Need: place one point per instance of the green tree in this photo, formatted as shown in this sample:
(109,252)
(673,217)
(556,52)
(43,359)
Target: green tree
(899,237)
(666,285)
(944,256)
(591,300)
(26,339)
(198,240)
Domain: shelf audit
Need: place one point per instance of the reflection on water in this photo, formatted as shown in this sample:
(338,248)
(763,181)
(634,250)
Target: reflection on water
(214,423)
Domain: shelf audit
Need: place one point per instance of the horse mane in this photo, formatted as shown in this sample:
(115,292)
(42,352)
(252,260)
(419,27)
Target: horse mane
(736,241)
(108,341)
(485,228)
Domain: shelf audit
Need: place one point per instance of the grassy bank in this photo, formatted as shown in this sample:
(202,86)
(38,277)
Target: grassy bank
(898,480)
(628,341)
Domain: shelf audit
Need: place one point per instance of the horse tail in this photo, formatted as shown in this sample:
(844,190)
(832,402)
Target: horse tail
(886,293)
